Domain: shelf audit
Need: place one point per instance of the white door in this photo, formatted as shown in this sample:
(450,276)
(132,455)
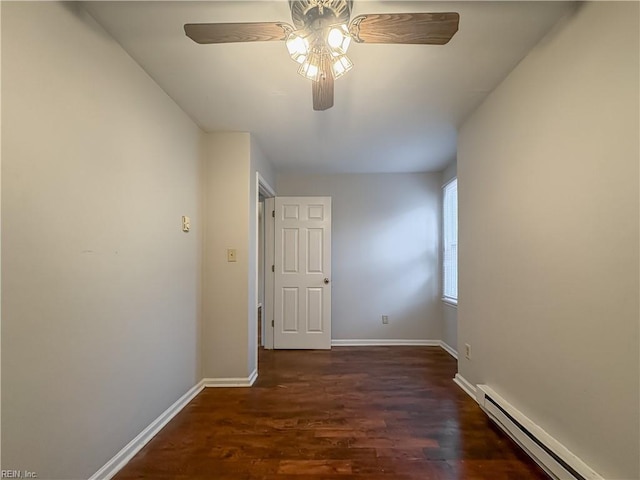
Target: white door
(302,313)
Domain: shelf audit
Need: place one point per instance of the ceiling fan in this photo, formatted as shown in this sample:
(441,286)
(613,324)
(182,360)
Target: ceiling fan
(322,33)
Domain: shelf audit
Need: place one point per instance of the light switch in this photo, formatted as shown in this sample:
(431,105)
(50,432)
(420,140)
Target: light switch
(231,254)
(186,224)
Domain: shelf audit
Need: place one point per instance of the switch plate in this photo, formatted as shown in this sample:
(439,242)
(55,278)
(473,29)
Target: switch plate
(186,224)
(467,350)
(231,255)
(385,319)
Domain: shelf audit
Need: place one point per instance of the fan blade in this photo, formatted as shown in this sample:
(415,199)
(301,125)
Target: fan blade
(322,90)
(408,28)
(237,32)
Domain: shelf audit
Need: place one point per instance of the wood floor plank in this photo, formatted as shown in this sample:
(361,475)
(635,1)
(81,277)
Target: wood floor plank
(314,467)
(350,413)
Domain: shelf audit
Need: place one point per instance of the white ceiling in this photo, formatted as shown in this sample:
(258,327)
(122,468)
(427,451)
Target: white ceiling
(397,110)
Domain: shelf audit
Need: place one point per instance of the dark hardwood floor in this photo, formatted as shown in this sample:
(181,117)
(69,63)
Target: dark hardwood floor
(376,413)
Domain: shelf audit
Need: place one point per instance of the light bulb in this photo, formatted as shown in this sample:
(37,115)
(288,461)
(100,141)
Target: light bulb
(334,39)
(312,71)
(298,47)
(338,39)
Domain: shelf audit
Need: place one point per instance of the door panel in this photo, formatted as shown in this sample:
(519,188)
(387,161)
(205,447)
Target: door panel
(315,238)
(302,263)
(314,309)
(290,249)
(290,309)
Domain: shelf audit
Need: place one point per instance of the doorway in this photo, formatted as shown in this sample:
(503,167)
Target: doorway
(293,287)
(261,265)
(264,258)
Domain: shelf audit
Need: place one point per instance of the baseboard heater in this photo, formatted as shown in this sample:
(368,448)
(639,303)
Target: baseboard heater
(553,457)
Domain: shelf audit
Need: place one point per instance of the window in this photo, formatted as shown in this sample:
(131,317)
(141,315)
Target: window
(450,242)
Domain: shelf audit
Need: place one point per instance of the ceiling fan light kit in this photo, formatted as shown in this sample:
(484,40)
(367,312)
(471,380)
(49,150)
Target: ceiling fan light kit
(323,33)
(330,49)
(319,43)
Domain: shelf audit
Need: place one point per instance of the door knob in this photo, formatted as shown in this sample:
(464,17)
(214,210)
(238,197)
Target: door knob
(326,281)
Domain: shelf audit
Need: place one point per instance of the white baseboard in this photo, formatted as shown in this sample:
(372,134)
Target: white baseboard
(231,382)
(377,342)
(121,458)
(383,342)
(449,349)
(465,385)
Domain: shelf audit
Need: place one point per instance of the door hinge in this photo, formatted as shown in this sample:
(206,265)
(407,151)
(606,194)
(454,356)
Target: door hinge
(273,213)
(273,324)
(273,268)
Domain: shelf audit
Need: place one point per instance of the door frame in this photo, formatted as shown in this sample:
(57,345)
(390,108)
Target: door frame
(263,187)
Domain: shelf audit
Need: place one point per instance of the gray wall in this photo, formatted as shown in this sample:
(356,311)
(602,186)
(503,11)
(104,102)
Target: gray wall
(548,192)
(229,339)
(385,252)
(225,296)
(100,285)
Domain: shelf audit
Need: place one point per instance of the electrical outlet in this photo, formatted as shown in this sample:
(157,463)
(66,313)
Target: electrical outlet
(385,319)
(467,350)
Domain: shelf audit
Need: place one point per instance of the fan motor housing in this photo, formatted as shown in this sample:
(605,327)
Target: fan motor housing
(319,13)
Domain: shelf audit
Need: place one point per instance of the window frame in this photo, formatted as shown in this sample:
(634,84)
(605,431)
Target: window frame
(447,296)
